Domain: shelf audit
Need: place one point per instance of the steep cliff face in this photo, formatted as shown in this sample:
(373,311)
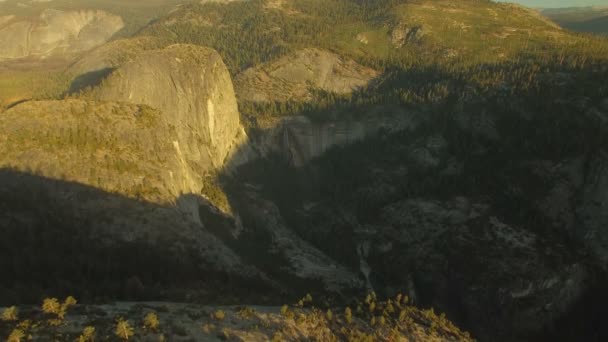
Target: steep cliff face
(295,77)
(118,147)
(300,139)
(193,89)
(57,32)
(112,171)
(593,209)
(157,125)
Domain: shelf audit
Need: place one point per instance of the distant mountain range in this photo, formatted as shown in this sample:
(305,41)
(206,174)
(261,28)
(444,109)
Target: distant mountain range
(592,19)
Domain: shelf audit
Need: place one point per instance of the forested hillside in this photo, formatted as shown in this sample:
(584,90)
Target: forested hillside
(481,43)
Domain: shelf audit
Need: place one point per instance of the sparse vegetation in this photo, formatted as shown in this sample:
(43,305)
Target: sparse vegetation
(88,335)
(310,322)
(219,315)
(151,321)
(124,331)
(16,335)
(10,314)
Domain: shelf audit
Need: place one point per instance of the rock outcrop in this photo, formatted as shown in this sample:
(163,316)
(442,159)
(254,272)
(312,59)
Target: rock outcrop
(403,34)
(56,32)
(120,148)
(110,170)
(297,76)
(184,121)
(483,250)
(592,211)
(192,87)
(157,125)
(300,139)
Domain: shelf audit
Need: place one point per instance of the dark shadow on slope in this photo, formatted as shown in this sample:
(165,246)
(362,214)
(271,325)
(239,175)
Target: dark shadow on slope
(88,80)
(331,200)
(16,103)
(60,238)
(255,244)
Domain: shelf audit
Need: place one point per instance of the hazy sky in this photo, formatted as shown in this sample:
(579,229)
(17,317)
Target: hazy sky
(560,3)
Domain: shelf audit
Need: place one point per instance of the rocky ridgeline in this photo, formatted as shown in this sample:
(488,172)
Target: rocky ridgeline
(371,320)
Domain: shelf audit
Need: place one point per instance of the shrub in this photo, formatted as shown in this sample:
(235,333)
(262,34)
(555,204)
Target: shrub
(123,329)
(88,335)
(219,315)
(246,313)
(16,335)
(284,310)
(348,315)
(51,306)
(151,321)
(10,314)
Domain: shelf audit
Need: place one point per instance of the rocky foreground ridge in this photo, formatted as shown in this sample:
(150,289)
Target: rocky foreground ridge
(165,321)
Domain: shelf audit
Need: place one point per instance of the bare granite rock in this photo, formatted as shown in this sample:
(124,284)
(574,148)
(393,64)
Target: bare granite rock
(56,32)
(192,87)
(295,77)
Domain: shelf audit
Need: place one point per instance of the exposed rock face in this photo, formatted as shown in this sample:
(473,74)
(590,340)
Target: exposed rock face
(577,200)
(116,168)
(119,148)
(295,77)
(193,89)
(181,122)
(57,32)
(513,249)
(297,259)
(593,209)
(482,250)
(300,139)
